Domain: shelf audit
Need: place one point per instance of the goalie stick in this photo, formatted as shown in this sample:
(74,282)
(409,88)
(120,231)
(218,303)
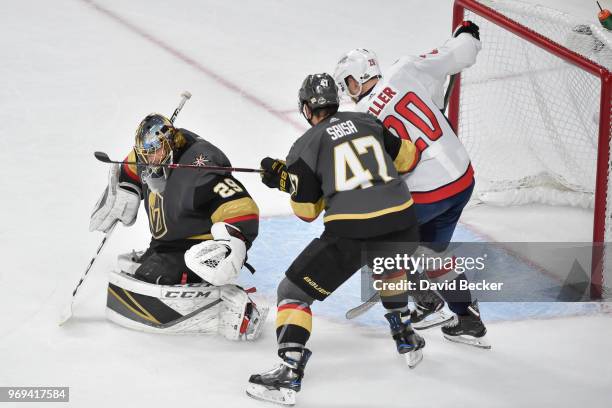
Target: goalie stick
(67,311)
(185,96)
(368,304)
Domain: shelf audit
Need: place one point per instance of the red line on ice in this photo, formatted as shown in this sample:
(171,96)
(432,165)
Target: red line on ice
(283,116)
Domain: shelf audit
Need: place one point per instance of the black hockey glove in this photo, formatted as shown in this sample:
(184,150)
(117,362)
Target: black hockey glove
(275,174)
(468,27)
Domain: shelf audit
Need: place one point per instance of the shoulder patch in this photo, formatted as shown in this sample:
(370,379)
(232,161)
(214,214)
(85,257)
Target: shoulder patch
(200,160)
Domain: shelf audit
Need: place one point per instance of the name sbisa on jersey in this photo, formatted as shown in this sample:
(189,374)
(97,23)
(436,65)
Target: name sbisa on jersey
(342,129)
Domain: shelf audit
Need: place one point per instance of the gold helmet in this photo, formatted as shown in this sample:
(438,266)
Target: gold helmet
(154,140)
(154,146)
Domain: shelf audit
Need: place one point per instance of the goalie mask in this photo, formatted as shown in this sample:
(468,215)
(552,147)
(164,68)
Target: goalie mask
(359,63)
(153,145)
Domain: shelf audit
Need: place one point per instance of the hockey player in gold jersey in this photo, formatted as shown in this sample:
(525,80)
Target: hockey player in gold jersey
(347,165)
(193,214)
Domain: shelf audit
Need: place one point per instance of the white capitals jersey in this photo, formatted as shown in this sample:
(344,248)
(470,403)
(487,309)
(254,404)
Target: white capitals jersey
(408,100)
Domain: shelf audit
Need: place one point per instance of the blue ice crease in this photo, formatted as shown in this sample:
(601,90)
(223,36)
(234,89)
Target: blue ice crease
(282,238)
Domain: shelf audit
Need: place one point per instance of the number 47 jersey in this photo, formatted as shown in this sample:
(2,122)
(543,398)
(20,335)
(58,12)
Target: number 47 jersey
(348,164)
(408,100)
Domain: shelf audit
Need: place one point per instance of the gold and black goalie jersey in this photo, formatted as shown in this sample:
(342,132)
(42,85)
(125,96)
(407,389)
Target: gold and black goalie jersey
(193,200)
(348,164)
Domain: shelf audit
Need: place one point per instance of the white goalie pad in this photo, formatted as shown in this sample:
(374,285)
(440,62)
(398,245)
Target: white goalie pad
(240,317)
(199,308)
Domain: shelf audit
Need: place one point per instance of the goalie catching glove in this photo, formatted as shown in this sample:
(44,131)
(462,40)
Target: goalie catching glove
(219,260)
(119,202)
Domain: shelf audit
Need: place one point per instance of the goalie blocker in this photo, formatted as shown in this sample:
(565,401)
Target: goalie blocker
(177,309)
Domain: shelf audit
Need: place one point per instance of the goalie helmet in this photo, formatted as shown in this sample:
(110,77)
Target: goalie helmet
(153,145)
(318,91)
(359,63)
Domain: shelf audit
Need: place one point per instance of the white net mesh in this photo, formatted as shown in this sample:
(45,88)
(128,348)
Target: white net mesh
(529,119)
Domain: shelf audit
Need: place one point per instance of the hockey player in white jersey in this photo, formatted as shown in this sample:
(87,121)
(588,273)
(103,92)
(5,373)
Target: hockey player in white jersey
(409,101)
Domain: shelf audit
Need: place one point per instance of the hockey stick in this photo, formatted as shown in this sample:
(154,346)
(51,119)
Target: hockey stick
(362,308)
(368,304)
(103,157)
(184,97)
(449,90)
(67,312)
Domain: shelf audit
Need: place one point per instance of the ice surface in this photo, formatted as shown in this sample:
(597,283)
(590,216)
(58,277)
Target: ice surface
(78,77)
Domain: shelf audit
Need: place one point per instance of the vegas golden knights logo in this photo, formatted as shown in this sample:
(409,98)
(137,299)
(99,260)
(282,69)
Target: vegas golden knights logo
(157,219)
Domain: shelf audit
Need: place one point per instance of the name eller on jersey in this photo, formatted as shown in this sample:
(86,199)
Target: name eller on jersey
(341,129)
(381,100)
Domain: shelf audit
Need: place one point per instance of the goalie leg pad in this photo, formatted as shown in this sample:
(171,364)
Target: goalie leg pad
(240,318)
(191,308)
(175,309)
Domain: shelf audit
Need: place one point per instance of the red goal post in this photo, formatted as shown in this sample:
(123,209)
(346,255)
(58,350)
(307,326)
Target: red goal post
(485,11)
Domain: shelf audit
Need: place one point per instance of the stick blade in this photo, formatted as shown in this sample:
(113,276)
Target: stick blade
(103,157)
(362,308)
(65,315)
(186,94)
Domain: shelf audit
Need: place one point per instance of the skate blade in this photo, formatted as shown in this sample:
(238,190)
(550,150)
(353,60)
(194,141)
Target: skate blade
(479,342)
(413,358)
(435,319)
(282,396)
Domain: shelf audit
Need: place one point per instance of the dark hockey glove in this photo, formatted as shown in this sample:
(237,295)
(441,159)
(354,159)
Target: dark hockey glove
(275,174)
(468,27)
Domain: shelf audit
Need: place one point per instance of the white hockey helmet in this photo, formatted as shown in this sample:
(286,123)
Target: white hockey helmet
(359,63)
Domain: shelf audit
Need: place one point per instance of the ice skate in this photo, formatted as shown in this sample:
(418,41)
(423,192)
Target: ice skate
(408,343)
(429,312)
(280,384)
(468,329)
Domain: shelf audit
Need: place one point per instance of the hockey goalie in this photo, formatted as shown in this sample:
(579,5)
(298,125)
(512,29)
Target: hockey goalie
(202,223)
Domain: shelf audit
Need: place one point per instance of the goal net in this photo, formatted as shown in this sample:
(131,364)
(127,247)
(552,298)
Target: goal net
(534,112)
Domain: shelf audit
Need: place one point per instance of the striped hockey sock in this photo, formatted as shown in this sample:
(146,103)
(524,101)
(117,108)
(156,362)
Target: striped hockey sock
(293,325)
